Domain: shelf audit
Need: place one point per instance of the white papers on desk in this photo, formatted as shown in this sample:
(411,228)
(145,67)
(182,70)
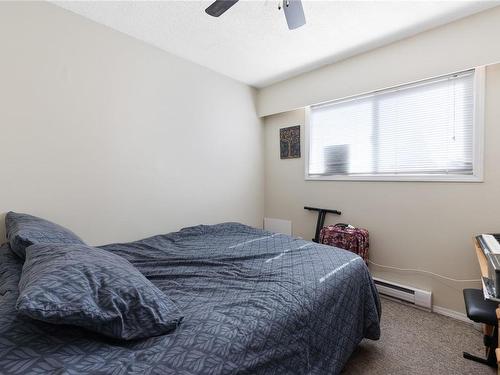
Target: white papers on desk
(491,243)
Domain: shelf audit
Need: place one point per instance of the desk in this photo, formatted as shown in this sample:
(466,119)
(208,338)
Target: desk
(483,264)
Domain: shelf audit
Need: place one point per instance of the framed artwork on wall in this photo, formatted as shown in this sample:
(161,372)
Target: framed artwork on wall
(290,142)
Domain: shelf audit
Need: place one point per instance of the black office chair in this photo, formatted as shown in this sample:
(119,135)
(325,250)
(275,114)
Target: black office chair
(480,310)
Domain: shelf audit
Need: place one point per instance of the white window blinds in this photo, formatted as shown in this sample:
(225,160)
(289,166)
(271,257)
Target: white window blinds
(424,128)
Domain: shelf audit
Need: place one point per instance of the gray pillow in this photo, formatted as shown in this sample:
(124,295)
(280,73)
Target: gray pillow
(10,272)
(94,289)
(24,230)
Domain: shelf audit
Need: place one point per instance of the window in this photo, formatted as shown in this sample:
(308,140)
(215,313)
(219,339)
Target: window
(429,130)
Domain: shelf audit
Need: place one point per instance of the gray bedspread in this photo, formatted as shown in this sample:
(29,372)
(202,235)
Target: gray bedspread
(254,303)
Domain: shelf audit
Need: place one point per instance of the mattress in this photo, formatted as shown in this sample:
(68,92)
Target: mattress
(253,302)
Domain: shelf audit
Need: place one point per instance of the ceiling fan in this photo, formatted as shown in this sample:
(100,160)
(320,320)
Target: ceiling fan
(294,13)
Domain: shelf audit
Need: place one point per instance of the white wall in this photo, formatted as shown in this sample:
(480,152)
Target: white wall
(460,45)
(413,225)
(116,139)
(423,225)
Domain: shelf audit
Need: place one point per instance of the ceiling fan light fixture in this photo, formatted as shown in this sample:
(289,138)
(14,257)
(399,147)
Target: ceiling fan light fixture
(294,14)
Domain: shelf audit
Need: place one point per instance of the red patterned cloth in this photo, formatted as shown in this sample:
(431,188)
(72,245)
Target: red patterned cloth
(348,238)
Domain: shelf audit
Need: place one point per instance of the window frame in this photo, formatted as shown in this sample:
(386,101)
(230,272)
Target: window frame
(477,141)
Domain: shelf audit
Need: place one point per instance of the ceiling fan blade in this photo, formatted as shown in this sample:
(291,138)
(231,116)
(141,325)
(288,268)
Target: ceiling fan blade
(218,7)
(294,13)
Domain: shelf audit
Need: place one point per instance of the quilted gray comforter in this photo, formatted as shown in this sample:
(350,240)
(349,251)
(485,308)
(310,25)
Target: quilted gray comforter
(254,303)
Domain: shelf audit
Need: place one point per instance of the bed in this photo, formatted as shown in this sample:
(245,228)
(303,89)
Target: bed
(254,302)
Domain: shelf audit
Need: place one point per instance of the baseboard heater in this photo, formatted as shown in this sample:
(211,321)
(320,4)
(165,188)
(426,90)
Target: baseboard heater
(417,297)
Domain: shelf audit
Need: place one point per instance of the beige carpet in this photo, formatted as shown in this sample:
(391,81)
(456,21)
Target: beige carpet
(418,342)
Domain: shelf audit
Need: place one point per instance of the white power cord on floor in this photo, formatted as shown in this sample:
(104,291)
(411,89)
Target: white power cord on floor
(423,271)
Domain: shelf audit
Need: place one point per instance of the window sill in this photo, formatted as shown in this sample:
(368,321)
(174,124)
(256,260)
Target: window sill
(408,178)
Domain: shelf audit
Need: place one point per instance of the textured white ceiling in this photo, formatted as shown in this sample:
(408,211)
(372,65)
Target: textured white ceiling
(251,42)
